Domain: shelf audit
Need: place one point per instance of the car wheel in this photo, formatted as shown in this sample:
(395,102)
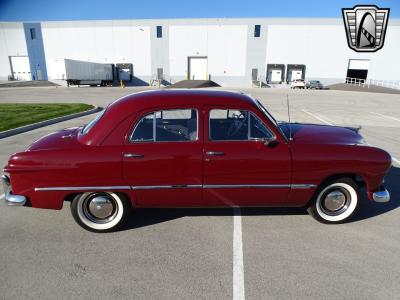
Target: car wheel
(336,201)
(100,211)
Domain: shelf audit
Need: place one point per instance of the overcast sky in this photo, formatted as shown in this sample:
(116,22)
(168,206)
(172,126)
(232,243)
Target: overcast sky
(41,10)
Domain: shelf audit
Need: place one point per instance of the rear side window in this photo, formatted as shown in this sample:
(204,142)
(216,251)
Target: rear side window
(236,125)
(176,125)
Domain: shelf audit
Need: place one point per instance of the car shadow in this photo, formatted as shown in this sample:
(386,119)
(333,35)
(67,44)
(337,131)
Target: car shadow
(370,209)
(151,216)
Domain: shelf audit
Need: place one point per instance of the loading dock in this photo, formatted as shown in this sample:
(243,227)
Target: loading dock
(275,73)
(197,68)
(295,72)
(20,68)
(124,72)
(358,68)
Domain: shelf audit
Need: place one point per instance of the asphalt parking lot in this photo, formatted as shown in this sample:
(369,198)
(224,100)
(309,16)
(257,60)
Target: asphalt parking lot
(257,253)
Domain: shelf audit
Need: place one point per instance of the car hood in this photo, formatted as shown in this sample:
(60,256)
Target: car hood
(323,134)
(66,138)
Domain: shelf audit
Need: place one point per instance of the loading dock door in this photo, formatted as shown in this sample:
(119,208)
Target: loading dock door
(198,68)
(296,74)
(358,68)
(20,67)
(275,75)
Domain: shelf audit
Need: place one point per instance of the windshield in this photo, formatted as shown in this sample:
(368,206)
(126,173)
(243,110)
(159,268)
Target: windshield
(91,124)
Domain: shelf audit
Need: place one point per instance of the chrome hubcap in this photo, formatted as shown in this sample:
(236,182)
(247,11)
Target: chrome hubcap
(334,201)
(101,207)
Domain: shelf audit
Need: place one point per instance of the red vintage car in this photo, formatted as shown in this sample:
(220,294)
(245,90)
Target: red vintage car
(195,148)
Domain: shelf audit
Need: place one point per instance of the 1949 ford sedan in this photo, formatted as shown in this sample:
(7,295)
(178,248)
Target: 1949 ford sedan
(185,148)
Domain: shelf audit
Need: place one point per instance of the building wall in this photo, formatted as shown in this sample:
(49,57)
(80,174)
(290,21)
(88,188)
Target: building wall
(229,44)
(100,41)
(12,43)
(224,46)
(323,49)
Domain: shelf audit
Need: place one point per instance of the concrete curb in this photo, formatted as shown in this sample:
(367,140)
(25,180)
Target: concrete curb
(22,129)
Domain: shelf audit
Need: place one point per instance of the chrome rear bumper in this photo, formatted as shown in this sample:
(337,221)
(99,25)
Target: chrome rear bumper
(11,200)
(381,196)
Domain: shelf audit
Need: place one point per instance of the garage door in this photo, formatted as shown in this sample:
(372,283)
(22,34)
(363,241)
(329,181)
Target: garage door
(198,68)
(358,68)
(20,67)
(296,74)
(275,75)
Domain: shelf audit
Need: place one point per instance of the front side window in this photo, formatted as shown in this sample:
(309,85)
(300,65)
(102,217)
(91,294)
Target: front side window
(167,126)
(236,125)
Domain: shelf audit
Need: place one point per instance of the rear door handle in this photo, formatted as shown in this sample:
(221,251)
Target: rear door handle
(215,153)
(133,155)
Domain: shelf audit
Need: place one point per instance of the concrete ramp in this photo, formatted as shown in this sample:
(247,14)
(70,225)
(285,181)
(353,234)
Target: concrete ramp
(356,88)
(193,84)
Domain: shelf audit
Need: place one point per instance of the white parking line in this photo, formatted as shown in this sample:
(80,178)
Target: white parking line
(238,269)
(318,118)
(326,122)
(396,160)
(384,116)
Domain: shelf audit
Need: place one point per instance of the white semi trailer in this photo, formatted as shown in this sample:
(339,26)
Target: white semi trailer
(77,72)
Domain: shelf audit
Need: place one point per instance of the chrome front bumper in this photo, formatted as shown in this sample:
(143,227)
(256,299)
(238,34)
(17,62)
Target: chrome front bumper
(381,196)
(11,200)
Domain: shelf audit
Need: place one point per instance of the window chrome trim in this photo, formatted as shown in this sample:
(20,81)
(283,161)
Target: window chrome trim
(153,140)
(249,138)
(177,186)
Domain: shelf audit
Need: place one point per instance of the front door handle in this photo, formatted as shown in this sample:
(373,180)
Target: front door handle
(133,155)
(215,153)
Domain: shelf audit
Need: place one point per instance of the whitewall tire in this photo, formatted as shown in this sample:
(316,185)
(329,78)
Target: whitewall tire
(336,201)
(100,211)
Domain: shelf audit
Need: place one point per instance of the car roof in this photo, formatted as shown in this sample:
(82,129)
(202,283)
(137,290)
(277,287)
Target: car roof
(163,98)
(170,97)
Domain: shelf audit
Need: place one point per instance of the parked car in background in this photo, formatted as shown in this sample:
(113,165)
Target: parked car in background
(185,148)
(314,84)
(298,84)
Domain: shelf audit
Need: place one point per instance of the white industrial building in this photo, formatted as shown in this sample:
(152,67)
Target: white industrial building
(231,52)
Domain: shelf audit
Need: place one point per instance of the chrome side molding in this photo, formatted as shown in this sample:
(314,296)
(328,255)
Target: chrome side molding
(158,187)
(235,186)
(176,186)
(303,186)
(82,188)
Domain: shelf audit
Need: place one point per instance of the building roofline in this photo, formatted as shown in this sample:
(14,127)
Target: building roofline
(263,20)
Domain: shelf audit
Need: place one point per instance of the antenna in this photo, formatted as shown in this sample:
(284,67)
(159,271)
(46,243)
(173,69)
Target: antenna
(288,112)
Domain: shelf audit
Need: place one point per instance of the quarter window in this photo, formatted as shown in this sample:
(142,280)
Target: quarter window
(236,125)
(167,126)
